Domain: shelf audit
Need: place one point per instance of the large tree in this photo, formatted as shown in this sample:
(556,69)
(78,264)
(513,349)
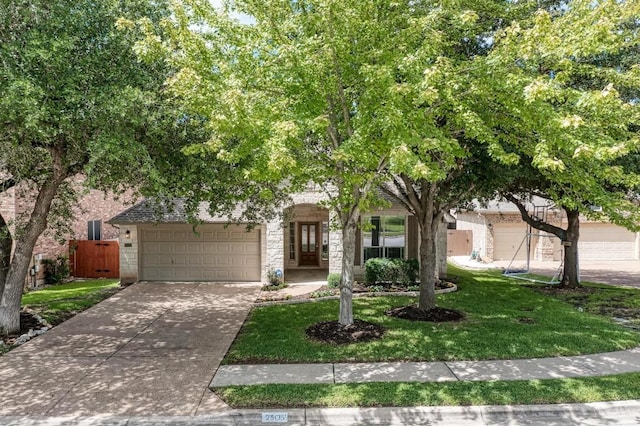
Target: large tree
(537,92)
(73,98)
(307,91)
(439,162)
(577,67)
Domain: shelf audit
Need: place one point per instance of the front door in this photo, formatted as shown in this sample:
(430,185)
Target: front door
(309,244)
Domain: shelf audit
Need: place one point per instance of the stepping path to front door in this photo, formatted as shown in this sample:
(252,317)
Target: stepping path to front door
(152,349)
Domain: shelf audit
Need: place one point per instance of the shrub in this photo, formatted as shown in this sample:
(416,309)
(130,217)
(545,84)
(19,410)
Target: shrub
(410,270)
(321,293)
(391,271)
(274,277)
(333,280)
(56,270)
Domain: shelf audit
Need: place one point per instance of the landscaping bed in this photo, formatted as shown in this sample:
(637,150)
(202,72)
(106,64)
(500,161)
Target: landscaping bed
(326,292)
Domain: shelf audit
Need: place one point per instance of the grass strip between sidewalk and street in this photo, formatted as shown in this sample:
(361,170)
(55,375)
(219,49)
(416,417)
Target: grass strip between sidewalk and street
(554,391)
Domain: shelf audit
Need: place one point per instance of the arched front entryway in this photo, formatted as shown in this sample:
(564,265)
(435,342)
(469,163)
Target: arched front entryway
(306,238)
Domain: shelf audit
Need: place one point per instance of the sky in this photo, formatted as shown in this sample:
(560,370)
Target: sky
(243,18)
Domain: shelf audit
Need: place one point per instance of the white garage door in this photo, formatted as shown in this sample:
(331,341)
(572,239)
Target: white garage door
(507,238)
(604,241)
(175,253)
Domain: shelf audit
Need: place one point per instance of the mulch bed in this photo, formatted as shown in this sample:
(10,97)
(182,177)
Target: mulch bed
(437,314)
(336,333)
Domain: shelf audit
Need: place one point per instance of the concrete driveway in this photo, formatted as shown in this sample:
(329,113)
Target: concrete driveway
(152,349)
(621,272)
(616,272)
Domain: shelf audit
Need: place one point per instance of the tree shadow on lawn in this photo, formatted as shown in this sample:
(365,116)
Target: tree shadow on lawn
(396,394)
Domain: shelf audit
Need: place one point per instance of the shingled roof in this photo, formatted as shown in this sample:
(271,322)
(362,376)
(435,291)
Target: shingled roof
(149,211)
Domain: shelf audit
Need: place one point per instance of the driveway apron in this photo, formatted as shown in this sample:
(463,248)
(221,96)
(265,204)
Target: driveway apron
(152,349)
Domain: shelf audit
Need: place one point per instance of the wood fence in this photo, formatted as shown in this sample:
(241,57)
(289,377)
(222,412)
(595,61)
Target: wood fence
(94,259)
(459,242)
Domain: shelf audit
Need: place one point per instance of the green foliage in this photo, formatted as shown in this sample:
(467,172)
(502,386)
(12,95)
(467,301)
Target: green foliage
(391,271)
(74,101)
(333,280)
(275,278)
(322,293)
(56,270)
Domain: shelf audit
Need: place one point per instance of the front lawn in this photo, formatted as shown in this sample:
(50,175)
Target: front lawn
(503,320)
(60,302)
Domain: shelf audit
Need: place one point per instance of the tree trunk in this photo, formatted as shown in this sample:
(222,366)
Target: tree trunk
(428,265)
(570,274)
(25,243)
(6,243)
(346,283)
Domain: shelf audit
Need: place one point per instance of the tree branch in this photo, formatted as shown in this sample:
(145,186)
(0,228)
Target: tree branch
(534,222)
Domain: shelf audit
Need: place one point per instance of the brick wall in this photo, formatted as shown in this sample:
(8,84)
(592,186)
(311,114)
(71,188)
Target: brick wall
(17,205)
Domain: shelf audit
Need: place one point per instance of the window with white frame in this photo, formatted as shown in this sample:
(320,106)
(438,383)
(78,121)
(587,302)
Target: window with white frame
(94,230)
(384,236)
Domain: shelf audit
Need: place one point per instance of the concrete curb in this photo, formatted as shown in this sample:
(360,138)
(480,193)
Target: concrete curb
(598,413)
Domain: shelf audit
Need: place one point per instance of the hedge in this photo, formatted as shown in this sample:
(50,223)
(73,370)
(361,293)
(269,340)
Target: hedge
(391,271)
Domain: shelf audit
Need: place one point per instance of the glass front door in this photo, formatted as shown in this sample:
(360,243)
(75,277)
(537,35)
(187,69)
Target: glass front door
(309,244)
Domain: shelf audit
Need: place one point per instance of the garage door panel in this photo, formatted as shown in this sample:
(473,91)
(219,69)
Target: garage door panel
(215,253)
(507,238)
(605,241)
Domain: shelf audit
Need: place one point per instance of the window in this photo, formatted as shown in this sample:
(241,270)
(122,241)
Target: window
(325,240)
(384,236)
(94,230)
(292,240)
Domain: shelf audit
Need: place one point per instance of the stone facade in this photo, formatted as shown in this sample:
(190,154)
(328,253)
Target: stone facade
(128,237)
(305,207)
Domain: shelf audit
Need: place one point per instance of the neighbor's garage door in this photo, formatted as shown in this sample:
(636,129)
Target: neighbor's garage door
(507,238)
(175,253)
(604,241)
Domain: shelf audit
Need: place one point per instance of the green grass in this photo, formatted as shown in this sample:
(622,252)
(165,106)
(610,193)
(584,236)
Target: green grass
(494,307)
(555,391)
(608,301)
(59,302)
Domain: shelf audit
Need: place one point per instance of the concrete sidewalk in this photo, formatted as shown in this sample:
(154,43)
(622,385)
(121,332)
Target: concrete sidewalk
(522,369)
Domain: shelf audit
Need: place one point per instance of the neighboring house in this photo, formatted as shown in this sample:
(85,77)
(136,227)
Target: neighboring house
(89,221)
(166,248)
(499,231)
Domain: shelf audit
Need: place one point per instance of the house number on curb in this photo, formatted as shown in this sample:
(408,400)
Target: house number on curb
(275,417)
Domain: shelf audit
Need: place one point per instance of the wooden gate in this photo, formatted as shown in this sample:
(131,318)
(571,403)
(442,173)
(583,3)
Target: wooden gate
(94,259)
(459,242)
